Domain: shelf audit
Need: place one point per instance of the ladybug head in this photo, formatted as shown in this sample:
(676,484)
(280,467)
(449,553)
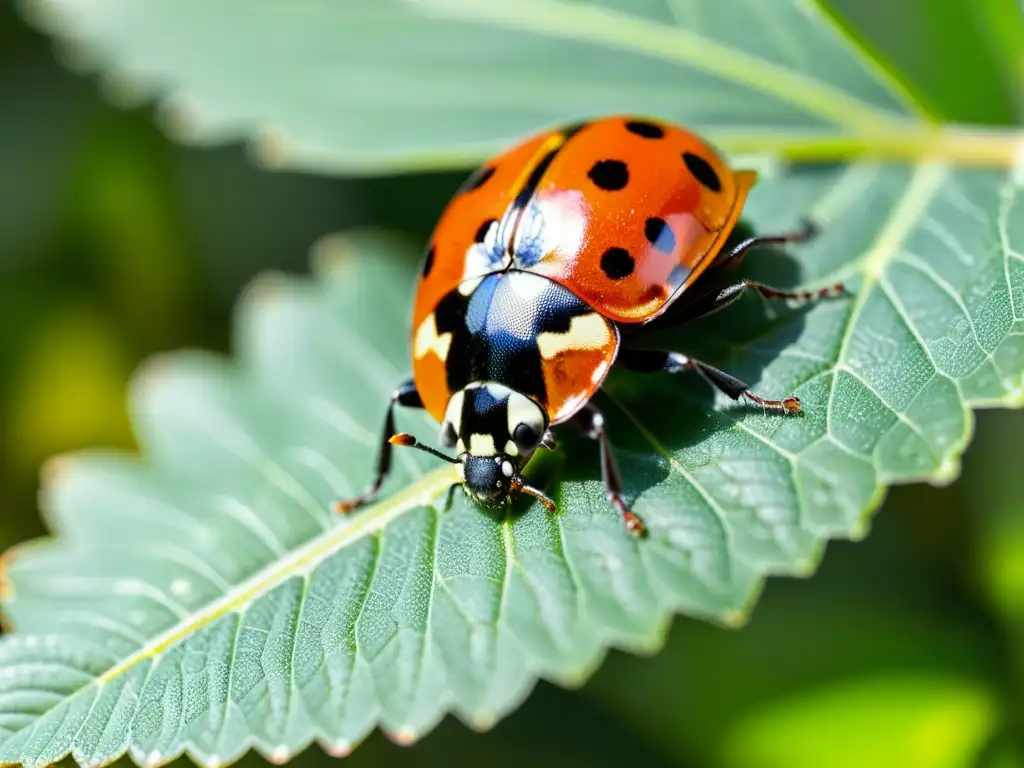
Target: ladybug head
(494,431)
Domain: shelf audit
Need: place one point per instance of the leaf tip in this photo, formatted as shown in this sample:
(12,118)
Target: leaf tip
(280,755)
(329,254)
(271,149)
(735,619)
(338,749)
(6,585)
(54,470)
(150,371)
(153,760)
(179,117)
(483,721)
(806,568)
(948,471)
(264,288)
(859,529)
(404,736)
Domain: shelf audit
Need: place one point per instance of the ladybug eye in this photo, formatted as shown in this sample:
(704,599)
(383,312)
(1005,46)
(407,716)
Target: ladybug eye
(526,436)
(448,436)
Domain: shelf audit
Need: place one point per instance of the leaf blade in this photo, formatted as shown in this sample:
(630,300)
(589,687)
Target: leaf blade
(237,615)
(474,75)
(412,609)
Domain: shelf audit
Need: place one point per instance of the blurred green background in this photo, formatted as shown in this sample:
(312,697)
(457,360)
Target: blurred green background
(906,649)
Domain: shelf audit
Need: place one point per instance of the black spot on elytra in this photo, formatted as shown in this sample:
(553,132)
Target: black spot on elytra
(481,232)
(617,263)
(428,261)
(645,129)
(660,235)
(702,171)
(609,175)
(477,179)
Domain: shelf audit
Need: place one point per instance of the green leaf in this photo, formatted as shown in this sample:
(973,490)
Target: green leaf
(203,598)
(363,87)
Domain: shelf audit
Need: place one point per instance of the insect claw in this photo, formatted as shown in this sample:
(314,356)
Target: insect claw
(344,507)
(633,523)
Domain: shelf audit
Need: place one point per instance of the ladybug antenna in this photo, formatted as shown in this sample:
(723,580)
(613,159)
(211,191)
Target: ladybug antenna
(411,442)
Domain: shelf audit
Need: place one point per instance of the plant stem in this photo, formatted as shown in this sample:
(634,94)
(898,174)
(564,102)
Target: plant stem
(952,144)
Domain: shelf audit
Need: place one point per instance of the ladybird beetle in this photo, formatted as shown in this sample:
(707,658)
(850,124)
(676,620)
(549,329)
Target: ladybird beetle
(541,261)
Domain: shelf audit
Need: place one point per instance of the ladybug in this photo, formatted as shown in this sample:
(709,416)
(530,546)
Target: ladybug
(541,263)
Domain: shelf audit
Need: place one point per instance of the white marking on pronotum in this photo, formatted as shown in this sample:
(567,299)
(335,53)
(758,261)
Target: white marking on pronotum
(526,286)
(588,331)
(427,339)
(506,468)
(497,391)
(466,287)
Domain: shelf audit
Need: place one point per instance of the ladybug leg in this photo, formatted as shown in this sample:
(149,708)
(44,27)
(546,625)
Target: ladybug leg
(406,395)
(716,300)
(774,294)
(591,422)
(735,256)
(707,303)
(657,361)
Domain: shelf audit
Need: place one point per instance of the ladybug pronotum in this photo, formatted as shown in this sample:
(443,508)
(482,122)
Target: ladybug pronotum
(541,260)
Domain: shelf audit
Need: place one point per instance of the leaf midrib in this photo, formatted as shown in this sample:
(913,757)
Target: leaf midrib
(300,561)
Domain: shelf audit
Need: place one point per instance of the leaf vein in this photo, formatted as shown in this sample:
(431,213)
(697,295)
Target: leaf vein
(684,473)
(595,24)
